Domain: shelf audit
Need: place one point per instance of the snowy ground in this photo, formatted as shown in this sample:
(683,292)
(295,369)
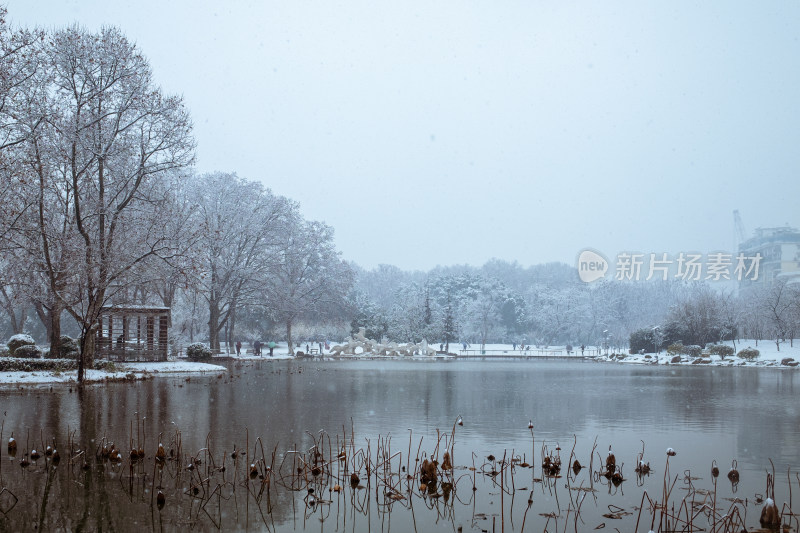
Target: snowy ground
(124,371)
(770,356)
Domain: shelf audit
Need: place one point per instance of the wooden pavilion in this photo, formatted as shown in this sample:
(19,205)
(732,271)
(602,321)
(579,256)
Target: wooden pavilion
(133,333)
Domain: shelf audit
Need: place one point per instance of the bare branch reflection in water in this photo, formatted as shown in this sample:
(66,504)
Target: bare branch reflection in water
(692,409)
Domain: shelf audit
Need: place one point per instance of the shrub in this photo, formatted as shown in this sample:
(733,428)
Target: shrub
(12,364)
(675,349)
(749,354)
(641,339)
(28,351)
(69,347)
(198,352)
(693,350)
(722,350)
(20,339)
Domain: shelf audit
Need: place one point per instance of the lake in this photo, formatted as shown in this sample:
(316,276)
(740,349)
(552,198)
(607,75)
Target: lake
(291,419)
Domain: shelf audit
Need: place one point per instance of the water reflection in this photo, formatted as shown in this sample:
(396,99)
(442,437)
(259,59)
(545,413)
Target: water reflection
(749,415)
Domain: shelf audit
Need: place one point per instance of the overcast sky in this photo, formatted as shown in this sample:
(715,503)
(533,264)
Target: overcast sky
(445,132)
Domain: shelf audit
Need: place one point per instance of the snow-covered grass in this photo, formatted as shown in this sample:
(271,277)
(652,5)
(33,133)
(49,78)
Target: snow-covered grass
(122,371)
(769,356)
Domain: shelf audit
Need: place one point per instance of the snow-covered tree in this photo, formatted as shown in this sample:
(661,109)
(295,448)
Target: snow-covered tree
(776,303)
(308,276)
(98,145)
(20,70)
(240,240)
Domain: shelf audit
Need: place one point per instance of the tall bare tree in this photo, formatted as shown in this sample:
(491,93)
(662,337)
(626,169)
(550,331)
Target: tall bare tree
(240,226)
(309,277)
(102,146)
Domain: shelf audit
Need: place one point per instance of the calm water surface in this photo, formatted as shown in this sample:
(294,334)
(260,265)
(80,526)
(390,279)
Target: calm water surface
(704,413)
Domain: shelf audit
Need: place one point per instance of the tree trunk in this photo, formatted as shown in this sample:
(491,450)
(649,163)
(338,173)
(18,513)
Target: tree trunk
(231,324)
(44,317)
(17,320)
(289,336)
(51,320)
(54,330)
(86,355)
(213,326)
(18,324)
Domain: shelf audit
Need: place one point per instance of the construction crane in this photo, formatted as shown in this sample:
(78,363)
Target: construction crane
(741,235)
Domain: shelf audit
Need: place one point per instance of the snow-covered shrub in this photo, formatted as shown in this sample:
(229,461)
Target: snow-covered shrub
(675,349)
(198,352)
(749,353)
(20,339)
(12,364)
(69,347)
(28,351)
(693,350)
(722,350)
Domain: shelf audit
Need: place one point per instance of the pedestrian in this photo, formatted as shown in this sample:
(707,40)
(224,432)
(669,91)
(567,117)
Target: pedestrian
(319,344)
(514,346)
(271,347)
(582,349)
(238,347)
(307,350)
(257,348)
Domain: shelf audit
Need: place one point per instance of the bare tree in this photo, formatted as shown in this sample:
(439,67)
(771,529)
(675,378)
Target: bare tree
(19,64)
(101,144)
(776,304)
(240,226)
(309,277)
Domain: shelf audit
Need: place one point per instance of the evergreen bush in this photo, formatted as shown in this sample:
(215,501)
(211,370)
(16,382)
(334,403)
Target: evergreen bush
(198,352)
(28,351)
(20,339)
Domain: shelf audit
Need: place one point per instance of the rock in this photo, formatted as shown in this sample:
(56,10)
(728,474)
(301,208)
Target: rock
(675,359)
(786,360)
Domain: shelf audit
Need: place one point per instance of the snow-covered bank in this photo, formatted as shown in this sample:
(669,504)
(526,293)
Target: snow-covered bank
(769,356)
(172,367)
(122,371)
(251,357)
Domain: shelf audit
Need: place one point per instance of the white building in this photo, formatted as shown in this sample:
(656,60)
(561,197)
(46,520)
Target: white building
(780,254)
